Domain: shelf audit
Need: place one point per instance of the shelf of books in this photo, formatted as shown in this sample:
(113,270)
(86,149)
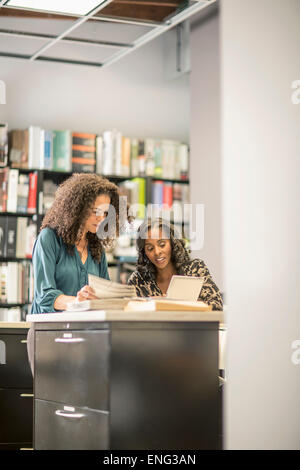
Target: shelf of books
(151,173)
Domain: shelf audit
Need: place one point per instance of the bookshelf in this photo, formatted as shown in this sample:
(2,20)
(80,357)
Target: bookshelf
(148,172)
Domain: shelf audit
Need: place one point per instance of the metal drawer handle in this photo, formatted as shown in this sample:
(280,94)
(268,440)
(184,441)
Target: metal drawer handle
(24,341)
(69,340)
(69,415)
(26,395)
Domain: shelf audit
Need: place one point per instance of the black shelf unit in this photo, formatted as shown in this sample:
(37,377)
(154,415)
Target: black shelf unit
(58,177)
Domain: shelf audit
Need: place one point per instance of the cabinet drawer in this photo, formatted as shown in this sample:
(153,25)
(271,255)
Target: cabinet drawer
(16,416)
(14,366)
(72,367)
(63,427)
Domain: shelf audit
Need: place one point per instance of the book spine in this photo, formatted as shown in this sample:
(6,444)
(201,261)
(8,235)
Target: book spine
(134,163)
(12,285)
(2,235)
(118,153)
(3,282)
(3,145)
(40,147)
(62,143)
(83,157)
(168,195)
(108,155)
(31,207)
(149,152)
(21,238)
(83,165)
(141,197)
(33,147)
(157,193)
(83,139)
(23,190)
(99,154)
(125,156)
(141,158)
(12,191)
(183,155)
(3,188)
(31,232)
(48,150)
(11,237)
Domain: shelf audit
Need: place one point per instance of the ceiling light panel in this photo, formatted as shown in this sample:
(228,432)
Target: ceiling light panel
(59,6)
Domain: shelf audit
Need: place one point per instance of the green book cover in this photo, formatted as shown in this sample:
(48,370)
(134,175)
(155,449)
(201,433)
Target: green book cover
(141,197)
(62,150)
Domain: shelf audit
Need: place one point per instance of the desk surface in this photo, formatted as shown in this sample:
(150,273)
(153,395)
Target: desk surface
(16,324)
(121,315)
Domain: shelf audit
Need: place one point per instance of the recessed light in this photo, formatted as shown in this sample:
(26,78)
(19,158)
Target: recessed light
(59,6)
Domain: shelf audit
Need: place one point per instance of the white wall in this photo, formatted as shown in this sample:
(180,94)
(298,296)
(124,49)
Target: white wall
(132,95)
(261,161)
(205,137)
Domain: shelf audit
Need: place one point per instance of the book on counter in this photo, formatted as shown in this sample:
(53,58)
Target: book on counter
(139,304)
(97,304)
(162,303)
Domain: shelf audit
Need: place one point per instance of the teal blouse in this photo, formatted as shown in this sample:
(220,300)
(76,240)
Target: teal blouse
(58,272)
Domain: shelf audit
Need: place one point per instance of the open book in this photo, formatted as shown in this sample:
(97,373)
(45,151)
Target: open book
(111,296)
(105,289)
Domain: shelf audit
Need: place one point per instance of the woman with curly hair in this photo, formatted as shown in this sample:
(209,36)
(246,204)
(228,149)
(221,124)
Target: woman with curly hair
(161,254)
(69,245)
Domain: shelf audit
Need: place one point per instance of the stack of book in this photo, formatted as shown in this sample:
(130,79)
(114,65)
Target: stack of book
(18,191)
(110,153)
(17,237)
(170,200)
(135,192)
(47,196)
(113,154)
(83,152)
(16,282)
(119,155)
(12,314)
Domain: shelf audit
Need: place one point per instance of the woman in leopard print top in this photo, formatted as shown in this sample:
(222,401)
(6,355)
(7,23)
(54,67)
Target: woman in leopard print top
(160,255)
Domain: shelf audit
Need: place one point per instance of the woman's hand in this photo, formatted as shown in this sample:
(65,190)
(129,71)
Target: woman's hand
(86,293)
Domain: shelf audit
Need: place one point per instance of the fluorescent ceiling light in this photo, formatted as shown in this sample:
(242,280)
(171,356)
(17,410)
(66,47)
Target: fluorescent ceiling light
(75,7)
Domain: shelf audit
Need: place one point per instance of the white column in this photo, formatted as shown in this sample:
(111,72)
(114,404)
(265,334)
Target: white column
(261,203)
(205,137)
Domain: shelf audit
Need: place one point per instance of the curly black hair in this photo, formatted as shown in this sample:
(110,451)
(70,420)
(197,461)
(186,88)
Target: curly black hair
(179,256)
(74,200)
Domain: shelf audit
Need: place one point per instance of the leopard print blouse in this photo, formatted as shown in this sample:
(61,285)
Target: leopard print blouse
(146,285)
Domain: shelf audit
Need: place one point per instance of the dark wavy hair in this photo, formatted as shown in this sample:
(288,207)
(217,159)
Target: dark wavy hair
(179,255)
(73,204)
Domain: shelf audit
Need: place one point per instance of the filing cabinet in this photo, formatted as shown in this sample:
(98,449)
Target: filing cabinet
(126,385)
(16,390)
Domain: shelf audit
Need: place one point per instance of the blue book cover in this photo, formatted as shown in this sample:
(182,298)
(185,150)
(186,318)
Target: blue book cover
(157,193)
(48,150)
